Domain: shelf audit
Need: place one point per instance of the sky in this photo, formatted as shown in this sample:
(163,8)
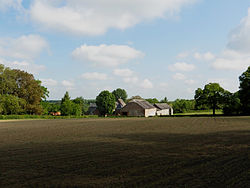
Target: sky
(151,48)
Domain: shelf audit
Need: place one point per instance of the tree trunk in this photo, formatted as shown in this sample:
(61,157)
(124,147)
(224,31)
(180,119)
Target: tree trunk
(213,110)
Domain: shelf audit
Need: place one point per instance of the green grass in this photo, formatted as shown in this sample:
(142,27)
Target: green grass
(126,152)
(200,112)
(9,117)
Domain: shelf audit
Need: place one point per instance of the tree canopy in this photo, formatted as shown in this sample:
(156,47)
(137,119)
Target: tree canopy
(22,85)
(105,102)
(212,95)
(120,94)
(244,92)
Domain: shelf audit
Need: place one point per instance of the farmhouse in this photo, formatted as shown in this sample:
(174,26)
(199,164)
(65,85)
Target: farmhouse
(163,109)
(139,108)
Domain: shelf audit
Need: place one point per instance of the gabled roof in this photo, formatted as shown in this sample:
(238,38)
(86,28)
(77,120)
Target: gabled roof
(144,104)
(120,101)
(162,106)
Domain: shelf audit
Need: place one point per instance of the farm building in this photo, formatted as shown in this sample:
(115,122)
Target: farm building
(118,106)
(139,108)
(163,109)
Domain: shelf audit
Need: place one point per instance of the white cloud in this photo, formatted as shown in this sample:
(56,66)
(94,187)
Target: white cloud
(23,65)
(106,55)
(147,84)
(49,82)
(6,4)
(69,85)
(239,39)
(24,47)
(94,76)
(179,76)
(95,17)
(181,66)
(237,54)
(123,72)
(208,56)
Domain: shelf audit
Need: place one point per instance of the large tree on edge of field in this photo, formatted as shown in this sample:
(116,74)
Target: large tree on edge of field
(244,92)
(120,94)
(24,86)
(105,102)
(212,95)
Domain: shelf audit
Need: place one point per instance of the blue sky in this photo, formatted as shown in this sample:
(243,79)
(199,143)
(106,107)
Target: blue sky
(151,48)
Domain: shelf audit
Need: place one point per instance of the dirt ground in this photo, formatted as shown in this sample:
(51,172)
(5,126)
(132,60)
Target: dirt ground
(129,152)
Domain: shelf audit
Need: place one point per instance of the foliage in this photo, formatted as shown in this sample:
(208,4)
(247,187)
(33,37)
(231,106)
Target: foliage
(165,100)
(76,109)
(232,104)
(182,105)
(24,86)
(120,94)
(66,105)
(105,102)
(152,101)
(11,104)
(82,103)
(244,92)
(212,95)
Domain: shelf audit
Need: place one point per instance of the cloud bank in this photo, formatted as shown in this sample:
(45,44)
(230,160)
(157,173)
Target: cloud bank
(95,17)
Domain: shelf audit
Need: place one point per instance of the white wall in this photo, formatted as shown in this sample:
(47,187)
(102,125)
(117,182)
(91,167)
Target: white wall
(150,112)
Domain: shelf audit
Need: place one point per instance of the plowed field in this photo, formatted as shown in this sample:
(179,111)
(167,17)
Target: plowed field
(129,152)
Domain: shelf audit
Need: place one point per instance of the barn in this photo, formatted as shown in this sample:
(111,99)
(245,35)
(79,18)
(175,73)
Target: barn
(163,109)
(139,108)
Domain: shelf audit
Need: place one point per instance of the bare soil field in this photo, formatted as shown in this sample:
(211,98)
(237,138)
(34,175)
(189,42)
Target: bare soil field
(129,152)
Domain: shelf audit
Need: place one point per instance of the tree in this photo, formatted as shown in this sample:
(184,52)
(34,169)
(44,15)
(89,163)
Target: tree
(66,105)
(152,101)
(11,104)
(82,103)
(182,105)
(66,97)
(24,86)
(76,109)
(244,92)
(105,102)
(165,100)
(232,104)
(120,94)
(212,95)
(30,90)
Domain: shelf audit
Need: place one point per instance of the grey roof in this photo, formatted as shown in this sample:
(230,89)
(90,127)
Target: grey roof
(92,105)
(144,104)
(121,102)
(162,106)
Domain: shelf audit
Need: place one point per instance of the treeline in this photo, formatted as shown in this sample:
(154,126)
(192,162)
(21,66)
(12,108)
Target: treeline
(21,93)
(67,106)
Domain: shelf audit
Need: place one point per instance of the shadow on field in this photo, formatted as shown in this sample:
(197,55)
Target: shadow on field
(133,160)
